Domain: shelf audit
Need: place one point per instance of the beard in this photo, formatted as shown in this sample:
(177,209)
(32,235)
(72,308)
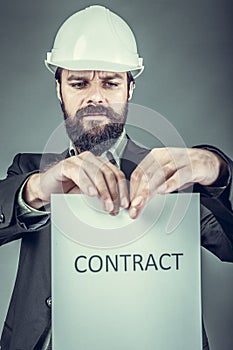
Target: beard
(96,136)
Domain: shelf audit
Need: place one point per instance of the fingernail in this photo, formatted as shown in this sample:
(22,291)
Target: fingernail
(114,213)
(109,206)
(162,188)
(124,202)
(133,213)
(92,191)
(137,201)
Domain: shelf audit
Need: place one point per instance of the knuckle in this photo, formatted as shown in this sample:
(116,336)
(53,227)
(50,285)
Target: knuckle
(158,152)
(109,175)
(135,175)
(84,183)
(154,152)
(120,175)
(149,174)
(99,181)
(87,153)
(144,178)
(84,155)
(168,168)
(104,195)
(115,195)
(64,163)
(172,185)
(65,166)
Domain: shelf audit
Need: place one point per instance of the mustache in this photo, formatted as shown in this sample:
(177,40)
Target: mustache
(95,110)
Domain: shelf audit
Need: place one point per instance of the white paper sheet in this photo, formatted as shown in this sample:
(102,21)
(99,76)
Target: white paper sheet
(119,283)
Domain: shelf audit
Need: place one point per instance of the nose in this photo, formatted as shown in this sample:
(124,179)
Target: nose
(95,95)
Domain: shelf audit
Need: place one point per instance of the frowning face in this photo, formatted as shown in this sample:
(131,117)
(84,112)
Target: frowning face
(94,104)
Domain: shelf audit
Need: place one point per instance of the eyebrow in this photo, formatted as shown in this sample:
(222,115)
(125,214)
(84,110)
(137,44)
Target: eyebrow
(108,77)
(113,76)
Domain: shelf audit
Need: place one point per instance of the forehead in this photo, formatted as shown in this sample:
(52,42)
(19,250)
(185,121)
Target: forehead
(90,74)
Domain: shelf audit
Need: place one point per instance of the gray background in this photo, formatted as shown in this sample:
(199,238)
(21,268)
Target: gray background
(188,54)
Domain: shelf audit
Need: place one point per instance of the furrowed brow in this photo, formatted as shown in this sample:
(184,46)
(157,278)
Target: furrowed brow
(73,77)
(76,77)
(112,76)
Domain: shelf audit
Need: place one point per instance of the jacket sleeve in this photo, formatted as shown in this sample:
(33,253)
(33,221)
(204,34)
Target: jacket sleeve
(217,214)
(10,227)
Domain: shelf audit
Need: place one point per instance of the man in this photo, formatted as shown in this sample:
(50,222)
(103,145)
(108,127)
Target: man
(94,85)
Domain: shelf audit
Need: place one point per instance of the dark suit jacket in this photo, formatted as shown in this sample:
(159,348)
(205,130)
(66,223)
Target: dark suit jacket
(29,314)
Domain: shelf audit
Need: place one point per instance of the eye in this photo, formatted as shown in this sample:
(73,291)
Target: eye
(79,84)
(110,84)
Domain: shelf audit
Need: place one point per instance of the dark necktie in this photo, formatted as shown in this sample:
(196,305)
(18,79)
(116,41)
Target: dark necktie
(110,157)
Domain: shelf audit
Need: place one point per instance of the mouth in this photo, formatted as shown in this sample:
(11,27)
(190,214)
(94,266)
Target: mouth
(95,117)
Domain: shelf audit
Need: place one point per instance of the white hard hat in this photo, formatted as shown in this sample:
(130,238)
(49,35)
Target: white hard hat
(95,39)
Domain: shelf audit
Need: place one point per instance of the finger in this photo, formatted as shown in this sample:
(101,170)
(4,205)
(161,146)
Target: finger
(141,197)
(105,178)
(151,164)
(134,211)
(122,185)
(116,182)
(117,186)
(169,159)
(178,181)
(152,178)
(135,179)
(111,182)
(108,180)
(86,186)
(73,170)
(74,190)
(106,193)
(148,186)
(140,192)
(86,170)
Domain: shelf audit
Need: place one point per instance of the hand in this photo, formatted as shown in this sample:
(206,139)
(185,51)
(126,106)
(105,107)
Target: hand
(165,170)
(85,174)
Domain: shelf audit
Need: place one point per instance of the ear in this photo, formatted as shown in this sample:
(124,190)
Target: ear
(58,88)
(130,92)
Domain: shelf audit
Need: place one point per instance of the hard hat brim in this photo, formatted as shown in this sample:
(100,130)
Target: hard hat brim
(94,65)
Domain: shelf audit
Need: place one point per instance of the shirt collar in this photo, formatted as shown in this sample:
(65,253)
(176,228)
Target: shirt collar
(117,149)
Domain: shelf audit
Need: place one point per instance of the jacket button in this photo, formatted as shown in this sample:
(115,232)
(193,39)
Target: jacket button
(2,218)
(49,302)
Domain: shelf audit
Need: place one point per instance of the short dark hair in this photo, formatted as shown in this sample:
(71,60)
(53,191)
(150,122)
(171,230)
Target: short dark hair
(130,78)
